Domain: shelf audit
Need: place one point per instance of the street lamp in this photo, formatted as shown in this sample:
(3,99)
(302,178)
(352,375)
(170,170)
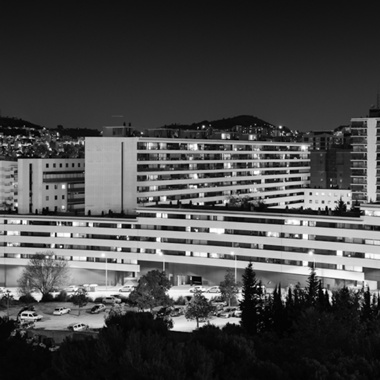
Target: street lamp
(233,254)
(311,253)
(105,256)
(163,260)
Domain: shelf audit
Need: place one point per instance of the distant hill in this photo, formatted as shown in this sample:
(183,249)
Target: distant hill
(13,126)
(229,123)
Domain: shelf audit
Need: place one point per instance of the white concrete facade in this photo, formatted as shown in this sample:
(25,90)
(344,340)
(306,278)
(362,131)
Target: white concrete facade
(202,242)
(53,184)
(123,173)
(316,199)
(8,186)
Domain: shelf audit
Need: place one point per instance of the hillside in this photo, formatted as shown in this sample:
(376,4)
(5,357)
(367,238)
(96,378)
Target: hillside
(224,124)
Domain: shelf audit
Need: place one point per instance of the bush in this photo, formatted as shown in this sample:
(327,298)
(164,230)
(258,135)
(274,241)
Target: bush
(48,297)
(62,296)
(27,298)
(181,300)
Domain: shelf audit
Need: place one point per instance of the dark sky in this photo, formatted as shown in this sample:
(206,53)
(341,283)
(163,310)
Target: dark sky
(302,64)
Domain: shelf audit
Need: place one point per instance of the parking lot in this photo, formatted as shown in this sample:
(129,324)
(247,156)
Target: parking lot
(96,321)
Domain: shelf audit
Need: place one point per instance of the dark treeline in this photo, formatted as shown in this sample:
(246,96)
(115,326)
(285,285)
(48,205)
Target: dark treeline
(298,334)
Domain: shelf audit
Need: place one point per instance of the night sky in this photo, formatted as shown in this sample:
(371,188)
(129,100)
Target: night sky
(84,64)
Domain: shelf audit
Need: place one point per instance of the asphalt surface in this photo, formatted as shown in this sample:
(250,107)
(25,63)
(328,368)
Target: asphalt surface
(96,321)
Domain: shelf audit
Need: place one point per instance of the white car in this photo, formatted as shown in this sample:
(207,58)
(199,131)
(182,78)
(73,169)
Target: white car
(78,327)
(196,288)
(72,288)
(127,288)
(30,316)
(111,300)
(61,310)
(213,289)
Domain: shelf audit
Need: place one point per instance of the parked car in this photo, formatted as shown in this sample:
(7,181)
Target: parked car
(78,327)
(177,311)
(228,312)
(61,310)
(72,288)
(111,300)
(127,288)
(97,308)
(213,289)
(196,288)
(30,316)
(218,307)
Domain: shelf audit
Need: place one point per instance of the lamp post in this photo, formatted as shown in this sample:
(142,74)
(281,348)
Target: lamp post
(163,261)
(311,253)
(233,254)
(105,256)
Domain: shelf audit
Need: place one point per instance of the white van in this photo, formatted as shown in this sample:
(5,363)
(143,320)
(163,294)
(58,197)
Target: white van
(30,316)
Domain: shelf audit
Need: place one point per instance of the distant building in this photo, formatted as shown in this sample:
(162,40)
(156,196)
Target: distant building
(8,186)
(50,184)
(330,168)
(319,199)
(364,159)
(319,140)
(123,173)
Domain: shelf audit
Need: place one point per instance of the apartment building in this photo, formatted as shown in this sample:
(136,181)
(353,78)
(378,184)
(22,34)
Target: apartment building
(364,159)
(50,184)
(8,185)
(124,173)
(202,243)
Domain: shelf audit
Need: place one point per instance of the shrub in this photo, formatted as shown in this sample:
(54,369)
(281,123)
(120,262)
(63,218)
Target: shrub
(47,297)
(27,298)
(62,296)
(181,300)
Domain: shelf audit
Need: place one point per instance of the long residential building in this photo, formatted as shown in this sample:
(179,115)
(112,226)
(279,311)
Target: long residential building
(123,173)
(199,244)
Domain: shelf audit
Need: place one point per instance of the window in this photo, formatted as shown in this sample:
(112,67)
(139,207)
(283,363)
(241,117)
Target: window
(47,166)
(47,187)
(73,165)
(63,197)
(54,165)
(55,187)
(60,165)
(67,165)
(55,197)
(47,198)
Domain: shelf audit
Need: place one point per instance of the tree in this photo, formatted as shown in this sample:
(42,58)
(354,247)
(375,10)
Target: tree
(228,287)
(311,291)
(80,298)
(7,299)
(251,302)
(341,207)
(199,308)
(151,291)
(43,273)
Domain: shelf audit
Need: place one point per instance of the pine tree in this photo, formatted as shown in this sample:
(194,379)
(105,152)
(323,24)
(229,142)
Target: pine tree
(250,303)
(311,291)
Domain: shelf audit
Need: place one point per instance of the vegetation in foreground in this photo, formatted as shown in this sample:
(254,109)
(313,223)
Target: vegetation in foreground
(305,335)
